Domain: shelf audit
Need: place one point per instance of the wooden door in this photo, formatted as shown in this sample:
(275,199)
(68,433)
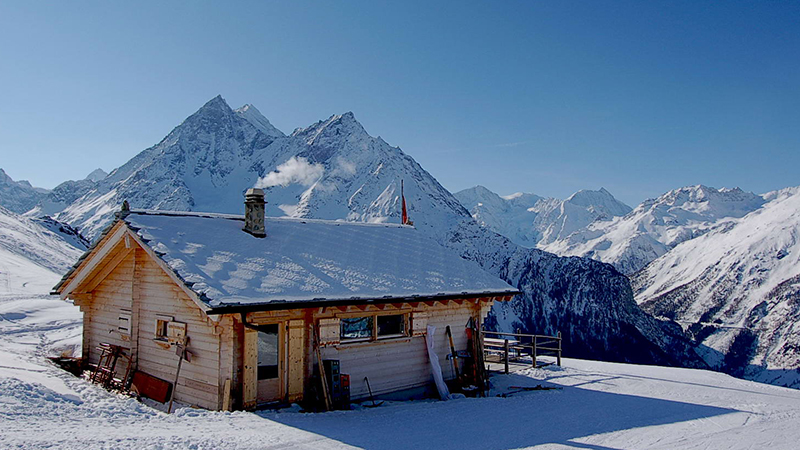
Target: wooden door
(270,369)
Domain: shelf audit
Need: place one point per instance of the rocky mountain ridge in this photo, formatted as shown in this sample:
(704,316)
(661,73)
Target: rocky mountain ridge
(654,227)
(18,196)
(594,224)
(533,221)
(736,289)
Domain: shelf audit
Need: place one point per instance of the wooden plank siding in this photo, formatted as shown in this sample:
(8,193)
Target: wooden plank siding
(402,363)
(391,364)
(199,381)
(139,285)
(101,314)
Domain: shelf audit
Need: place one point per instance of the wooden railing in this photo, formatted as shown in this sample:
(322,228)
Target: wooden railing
(514,345)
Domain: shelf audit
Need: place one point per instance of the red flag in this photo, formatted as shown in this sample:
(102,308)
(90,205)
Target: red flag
(405,212)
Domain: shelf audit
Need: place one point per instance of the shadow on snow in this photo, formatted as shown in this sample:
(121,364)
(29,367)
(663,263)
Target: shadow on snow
(519,420)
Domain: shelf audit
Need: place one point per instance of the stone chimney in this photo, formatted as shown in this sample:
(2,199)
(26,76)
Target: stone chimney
(254,212)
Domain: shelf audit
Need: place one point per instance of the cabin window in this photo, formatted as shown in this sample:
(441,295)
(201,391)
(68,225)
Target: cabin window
(162,328)
(372,327)
(356,328)
(391,326)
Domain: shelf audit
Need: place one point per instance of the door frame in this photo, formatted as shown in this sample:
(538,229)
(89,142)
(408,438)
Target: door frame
(250,381)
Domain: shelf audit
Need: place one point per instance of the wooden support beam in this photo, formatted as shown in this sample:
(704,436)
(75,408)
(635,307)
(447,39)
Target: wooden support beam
(226,395)
(138,261)
(296,357)
(250,375)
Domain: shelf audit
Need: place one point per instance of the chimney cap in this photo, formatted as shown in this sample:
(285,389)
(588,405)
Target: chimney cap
(254,194)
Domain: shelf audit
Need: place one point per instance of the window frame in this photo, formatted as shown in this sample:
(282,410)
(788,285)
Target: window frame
(161,333)
(374,337)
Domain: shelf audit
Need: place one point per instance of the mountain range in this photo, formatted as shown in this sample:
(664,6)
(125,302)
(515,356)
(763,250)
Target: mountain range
(737,290)
(533,221)
(721,262)
(594,224)
(334,169)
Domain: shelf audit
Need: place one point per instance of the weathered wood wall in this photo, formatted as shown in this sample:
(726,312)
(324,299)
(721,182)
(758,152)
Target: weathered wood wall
(199,381)
(402,363)
(137,284)
(101,315)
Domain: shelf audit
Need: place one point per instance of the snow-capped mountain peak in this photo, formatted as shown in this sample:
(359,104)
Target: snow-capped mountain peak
(96,175)
(217,103)
(655,226)
(530,220)
(601,202)
(332,129)
(254,116)
(701,202)
(18,196)
(334,169)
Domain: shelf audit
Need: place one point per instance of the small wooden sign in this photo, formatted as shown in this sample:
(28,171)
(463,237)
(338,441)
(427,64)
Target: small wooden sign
(176,332)
(181,351)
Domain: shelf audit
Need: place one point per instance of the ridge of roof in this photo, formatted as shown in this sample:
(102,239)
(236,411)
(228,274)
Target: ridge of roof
(208,215)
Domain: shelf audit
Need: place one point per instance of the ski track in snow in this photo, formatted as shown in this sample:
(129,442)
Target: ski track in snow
(600,406)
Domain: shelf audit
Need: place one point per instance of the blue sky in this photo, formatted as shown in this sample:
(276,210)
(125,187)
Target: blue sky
(543,97)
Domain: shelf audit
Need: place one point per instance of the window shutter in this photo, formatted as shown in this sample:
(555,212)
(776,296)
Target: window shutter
(419,323)
(329,331)
(176,331)
(124,327)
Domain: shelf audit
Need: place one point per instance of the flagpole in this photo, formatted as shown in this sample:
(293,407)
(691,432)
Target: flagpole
(403,197)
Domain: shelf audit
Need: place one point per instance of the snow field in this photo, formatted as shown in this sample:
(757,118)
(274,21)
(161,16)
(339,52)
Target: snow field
(600,406)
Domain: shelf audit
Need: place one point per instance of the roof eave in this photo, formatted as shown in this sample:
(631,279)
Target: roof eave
(316,303)
(58,289)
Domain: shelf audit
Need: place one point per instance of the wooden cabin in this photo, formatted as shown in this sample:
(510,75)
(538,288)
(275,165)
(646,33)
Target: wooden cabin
(253,300)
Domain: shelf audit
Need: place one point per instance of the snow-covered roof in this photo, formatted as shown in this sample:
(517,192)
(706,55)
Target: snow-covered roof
(307,261)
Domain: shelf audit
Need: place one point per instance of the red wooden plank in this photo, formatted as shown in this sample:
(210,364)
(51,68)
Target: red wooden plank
(151,387)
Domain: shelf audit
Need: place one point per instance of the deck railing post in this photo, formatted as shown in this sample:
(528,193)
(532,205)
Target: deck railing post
(505,349)
(559,350)
(533,351)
